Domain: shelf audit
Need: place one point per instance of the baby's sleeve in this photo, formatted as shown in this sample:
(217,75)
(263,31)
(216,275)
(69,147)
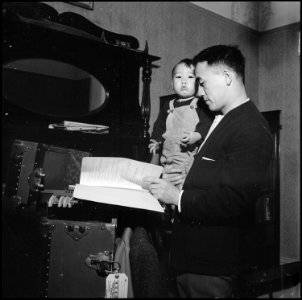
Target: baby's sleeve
(159,126)
(205,121)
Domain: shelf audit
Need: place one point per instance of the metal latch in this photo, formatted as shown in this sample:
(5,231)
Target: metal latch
(36,180)
(103,263)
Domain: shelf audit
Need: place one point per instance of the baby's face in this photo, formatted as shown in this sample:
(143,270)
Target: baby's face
(183,81)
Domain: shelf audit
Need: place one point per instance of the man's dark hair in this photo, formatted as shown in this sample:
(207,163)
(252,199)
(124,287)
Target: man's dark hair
(186,61)
(229,55)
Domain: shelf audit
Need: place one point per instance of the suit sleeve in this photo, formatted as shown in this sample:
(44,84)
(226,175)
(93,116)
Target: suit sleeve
(228,193)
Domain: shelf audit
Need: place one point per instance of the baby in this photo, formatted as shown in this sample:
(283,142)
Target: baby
(181,124)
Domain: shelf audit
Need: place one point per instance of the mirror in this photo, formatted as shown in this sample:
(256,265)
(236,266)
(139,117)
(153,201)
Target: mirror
(51,87)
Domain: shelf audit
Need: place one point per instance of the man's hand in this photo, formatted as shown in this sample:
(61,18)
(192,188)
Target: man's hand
(162,190)
(190,137)
(174,175)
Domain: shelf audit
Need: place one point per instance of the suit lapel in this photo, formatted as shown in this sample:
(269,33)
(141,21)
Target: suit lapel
(222,128)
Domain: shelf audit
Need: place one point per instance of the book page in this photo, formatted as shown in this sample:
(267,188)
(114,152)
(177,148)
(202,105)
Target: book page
(140,199)
(116,172)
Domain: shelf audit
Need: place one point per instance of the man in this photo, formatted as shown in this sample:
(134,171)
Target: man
(215,210)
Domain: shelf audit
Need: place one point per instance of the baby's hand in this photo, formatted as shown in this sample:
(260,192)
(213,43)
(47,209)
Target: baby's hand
(190,137)
(154,146)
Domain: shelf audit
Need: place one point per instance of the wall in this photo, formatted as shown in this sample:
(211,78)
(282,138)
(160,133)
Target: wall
(279,89)
(245,13)
(275,14)
(258,15)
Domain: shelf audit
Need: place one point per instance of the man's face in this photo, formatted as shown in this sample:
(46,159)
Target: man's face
(183,81)
(211,85)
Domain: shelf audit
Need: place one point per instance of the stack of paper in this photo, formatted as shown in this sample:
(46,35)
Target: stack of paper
(77,126)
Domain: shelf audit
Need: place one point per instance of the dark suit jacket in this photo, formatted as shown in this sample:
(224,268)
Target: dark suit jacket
(212,233)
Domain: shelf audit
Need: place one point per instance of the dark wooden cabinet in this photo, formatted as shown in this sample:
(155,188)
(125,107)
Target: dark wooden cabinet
(35,32)
(55,68)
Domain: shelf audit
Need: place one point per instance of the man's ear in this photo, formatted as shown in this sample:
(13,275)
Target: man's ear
(172,85)
(228,75)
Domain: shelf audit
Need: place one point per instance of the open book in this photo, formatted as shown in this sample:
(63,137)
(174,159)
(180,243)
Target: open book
(117,181)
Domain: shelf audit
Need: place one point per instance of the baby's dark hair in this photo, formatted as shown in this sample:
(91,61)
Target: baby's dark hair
(229,55)
(186,61)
